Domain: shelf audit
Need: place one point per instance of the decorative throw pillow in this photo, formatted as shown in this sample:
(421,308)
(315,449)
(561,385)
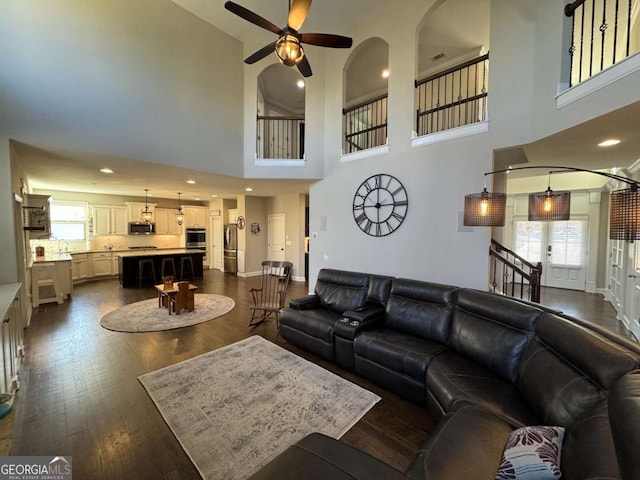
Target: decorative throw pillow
(532,453)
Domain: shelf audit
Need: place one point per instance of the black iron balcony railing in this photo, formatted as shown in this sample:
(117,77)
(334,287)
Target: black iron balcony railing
(365,125)
(601,35)
(280,137)
(454,97)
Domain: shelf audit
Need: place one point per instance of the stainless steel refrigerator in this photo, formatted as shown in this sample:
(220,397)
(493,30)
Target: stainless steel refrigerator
(231,248)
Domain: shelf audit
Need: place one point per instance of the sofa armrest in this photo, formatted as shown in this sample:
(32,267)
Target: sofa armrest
(367,313)
(307,302)
(367,318)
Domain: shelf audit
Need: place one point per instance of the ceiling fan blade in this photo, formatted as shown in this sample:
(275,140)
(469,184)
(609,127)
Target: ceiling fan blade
(254,18)
(326,40)
(304,67)
(298,13)
(260,54)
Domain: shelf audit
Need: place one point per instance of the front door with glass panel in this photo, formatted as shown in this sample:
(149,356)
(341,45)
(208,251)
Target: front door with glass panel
(561,247)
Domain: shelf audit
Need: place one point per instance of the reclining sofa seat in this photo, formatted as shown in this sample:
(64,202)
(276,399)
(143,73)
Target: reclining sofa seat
(396,348)
(310,321)
(489,334)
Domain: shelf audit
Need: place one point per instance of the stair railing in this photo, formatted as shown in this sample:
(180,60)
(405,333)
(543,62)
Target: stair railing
(513,275)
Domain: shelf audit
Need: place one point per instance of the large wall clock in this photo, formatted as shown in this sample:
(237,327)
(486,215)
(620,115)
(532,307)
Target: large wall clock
(380,205)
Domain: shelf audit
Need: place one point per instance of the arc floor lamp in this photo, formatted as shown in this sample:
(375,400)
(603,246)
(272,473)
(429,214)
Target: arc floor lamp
(487,209)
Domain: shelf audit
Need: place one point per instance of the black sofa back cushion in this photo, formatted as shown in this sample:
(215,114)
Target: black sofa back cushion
(422,309)
(624,417)
(339,290)
(379,287)
(492,329)
(567,369)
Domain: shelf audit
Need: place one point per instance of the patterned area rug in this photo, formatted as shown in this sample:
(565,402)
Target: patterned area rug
(146,316)
(235,408)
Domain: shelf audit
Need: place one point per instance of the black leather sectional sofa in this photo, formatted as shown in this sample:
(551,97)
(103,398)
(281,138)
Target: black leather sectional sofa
(482,364)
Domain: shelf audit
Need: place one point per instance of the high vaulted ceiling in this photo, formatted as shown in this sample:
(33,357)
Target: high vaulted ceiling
(444,31)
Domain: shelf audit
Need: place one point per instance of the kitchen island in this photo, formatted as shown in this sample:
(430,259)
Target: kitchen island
(128,264)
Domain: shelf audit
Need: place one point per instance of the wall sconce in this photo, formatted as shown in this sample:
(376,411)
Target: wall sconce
(487,209)
(255,228)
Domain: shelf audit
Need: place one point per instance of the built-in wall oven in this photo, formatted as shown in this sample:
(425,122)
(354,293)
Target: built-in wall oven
(196,238)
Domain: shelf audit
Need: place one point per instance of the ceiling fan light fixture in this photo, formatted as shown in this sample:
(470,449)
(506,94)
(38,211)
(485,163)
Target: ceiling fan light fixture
(288,50)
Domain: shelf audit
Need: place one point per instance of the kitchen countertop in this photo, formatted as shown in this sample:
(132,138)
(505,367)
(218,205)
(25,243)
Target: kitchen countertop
(158,251)
(53,257)
(119,250)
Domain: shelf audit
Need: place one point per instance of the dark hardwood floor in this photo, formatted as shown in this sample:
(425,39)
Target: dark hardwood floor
(80,395)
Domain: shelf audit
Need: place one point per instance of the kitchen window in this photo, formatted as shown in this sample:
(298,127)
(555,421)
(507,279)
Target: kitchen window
(69,220)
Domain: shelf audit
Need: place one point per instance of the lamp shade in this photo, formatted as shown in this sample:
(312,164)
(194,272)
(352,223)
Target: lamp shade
(624,215)
(549,206)
(485,209)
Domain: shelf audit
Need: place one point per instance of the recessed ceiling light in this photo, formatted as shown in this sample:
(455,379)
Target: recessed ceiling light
(191,182)
(106,170)
(214,195)
(300,83)
(385,73)
(610,142)
(197,198)
(248,189)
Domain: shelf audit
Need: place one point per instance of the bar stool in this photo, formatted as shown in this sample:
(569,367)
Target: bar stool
(146,264)
(167,267)
(45,275)
(186,268)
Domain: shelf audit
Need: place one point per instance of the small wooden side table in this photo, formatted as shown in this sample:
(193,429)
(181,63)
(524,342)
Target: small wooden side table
(165,295)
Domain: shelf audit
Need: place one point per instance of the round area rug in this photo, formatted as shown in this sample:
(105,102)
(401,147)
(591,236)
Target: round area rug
(146,316)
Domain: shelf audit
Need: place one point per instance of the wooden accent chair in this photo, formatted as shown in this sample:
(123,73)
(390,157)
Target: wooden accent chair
(269,298)
(183,299)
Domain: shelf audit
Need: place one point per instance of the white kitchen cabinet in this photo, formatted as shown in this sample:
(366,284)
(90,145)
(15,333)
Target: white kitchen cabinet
(11,337)
(195,216)
(78,266)
(109,220)
(233,215)
(166,223)
(101,264)
(135,211)
(114,264)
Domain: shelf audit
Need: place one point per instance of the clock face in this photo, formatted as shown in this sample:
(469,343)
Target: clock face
(380,205)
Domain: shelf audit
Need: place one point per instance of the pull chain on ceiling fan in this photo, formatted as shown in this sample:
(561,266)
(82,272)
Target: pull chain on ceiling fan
(288,47)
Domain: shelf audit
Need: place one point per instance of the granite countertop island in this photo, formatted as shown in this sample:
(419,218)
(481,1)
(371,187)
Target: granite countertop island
(129,265)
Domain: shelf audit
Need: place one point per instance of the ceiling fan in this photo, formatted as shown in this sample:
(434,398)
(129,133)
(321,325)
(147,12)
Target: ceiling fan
(288,46)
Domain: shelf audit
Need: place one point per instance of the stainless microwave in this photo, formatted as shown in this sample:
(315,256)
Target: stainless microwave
(142,228)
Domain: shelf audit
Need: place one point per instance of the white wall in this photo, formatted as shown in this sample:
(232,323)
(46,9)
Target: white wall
(525,70)
(141,79)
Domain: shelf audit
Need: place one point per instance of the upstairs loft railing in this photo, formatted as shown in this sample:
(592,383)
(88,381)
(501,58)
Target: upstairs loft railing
(454,97)
(512,275)
(280,137)
(365,125)
(602,35)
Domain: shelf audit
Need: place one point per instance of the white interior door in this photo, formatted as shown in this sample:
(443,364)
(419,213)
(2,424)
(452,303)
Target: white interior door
(276,237)
(217,242)
(632,295)
(617,273)
(561,247)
